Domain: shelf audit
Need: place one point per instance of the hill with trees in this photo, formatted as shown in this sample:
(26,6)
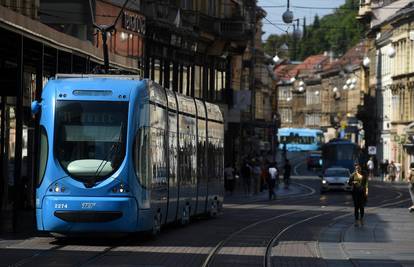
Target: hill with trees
(335,32)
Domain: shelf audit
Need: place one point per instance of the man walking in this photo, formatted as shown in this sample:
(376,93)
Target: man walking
(392,171)
(256,177)
(286,174)
(272,177)
(246,177)
(370,166)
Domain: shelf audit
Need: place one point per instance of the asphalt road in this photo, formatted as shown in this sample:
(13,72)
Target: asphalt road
(300,228)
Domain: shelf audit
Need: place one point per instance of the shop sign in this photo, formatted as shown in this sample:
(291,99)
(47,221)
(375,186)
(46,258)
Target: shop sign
(396,138)
(133,22)
(403,138)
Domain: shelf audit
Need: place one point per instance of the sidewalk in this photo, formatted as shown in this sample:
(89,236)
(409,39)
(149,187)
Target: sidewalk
(386,239)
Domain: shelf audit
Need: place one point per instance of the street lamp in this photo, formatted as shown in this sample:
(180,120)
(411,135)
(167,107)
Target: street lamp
(391,52)
(287,15)
(366,62)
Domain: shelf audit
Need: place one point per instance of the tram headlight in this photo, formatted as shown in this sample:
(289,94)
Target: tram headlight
(57,188)
(121,188)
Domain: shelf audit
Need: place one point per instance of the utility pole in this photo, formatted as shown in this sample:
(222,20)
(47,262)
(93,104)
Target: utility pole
(253,62)
(252,67)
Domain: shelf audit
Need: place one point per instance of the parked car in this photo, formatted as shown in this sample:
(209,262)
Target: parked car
(314,160)
(335,178)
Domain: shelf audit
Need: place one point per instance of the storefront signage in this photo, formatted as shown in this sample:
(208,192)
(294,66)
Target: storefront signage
(133,22)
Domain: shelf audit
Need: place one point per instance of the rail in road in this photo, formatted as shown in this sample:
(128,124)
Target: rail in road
(255,230)
(261,235)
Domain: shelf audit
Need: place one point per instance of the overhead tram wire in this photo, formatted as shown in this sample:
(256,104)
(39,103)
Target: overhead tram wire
(327,8)
(277,27)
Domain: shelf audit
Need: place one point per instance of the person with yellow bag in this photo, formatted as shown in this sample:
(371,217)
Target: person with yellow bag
(359,182)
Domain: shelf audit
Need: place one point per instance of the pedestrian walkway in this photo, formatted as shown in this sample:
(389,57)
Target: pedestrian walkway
(386,239)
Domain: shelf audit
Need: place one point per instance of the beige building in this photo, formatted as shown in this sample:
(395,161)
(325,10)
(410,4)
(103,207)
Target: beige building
(391,46)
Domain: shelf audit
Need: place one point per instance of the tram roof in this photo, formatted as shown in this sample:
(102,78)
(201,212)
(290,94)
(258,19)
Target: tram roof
(299,130)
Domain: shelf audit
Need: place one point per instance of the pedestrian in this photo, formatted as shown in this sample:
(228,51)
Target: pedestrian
(246,171)
(272,179)
(284,150)
(264,176)
(229,176)
(257,171)
(359,183)
(370,167)
(411,186)
(392,171)
(286,173)
(384,166)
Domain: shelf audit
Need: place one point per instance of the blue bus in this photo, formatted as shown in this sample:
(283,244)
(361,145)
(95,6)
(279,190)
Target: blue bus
(123,154)
(340,153)
(300,139)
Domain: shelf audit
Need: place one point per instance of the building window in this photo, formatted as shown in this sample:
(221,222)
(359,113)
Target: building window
(212,8)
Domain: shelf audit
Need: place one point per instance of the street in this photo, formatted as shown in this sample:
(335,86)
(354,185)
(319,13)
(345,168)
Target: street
(299,228)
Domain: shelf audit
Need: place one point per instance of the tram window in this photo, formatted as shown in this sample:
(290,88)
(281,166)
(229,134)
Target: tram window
(141,157)
(159,175)
(43,155)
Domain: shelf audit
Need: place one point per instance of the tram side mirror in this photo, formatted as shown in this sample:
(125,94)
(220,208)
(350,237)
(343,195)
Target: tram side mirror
(36,106)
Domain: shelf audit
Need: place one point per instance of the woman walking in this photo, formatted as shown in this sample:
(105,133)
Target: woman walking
(359,183)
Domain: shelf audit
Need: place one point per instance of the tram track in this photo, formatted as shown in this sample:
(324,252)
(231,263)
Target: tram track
(309,191)
(303,215)
(267,257)
(216,250)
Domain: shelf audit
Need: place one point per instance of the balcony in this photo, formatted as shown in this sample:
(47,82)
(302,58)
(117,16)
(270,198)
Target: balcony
(234,30)
(365,9)
(160,12)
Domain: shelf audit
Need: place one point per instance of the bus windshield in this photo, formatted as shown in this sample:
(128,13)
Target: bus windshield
(89,137)
(296,139)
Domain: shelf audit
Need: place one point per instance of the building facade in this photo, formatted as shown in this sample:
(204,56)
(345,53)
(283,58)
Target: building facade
(391,35)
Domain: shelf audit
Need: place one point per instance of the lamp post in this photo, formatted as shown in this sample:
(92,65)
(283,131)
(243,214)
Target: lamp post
(287,15)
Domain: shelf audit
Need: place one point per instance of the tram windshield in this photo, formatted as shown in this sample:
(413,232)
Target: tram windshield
(90,137)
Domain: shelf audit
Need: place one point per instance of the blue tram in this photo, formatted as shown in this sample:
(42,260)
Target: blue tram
(300,139)
(340,153)
(122,154)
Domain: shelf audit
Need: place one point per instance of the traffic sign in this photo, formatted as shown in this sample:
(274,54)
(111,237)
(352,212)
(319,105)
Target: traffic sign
(372,150)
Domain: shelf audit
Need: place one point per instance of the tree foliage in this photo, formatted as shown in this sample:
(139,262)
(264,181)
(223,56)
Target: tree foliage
(335,32)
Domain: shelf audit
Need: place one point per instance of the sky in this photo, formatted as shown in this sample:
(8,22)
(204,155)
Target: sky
(305,8)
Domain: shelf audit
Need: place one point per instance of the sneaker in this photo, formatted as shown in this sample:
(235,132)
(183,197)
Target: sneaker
(356,224)
(411,209)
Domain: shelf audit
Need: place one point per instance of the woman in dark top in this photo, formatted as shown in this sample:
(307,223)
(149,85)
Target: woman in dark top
(359,183)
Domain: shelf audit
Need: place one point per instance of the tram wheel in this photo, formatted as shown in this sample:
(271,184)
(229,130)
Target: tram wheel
(213,209)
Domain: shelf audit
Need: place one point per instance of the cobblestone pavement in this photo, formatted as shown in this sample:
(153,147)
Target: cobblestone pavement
(300,228)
